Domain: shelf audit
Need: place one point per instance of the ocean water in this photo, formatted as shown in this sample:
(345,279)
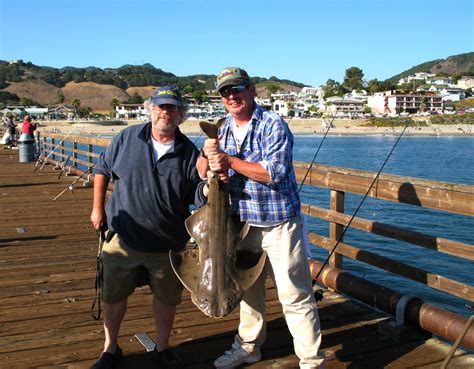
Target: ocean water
(447,159)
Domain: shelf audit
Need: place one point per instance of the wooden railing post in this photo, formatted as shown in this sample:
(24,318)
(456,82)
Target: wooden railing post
(51,149)
(335,230)
(90,148)
(74,154)
(38,143)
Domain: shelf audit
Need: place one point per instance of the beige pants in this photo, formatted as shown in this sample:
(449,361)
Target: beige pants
(287,261)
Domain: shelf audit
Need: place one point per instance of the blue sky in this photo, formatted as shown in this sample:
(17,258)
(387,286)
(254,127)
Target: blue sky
(304,41)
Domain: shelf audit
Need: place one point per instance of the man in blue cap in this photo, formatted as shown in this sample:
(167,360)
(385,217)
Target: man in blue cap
(152,166)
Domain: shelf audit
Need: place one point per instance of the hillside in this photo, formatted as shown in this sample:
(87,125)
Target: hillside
(96,87)
(95,95)
(462,64)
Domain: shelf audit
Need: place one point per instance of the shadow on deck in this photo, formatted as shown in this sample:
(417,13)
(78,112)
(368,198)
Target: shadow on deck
(47,286)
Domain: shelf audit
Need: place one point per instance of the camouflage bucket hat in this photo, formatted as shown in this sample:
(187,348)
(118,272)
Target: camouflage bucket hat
(232,76)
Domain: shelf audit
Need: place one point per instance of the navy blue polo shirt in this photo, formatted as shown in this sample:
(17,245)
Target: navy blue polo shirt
(151,199)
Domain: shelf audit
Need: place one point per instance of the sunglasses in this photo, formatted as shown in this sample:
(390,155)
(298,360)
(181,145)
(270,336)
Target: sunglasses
(167,107)
(232,90)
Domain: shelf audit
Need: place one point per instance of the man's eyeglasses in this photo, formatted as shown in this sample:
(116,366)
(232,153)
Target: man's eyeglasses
(167,107)
(231,90)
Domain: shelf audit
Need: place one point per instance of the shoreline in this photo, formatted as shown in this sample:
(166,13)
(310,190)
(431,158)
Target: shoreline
(343,127)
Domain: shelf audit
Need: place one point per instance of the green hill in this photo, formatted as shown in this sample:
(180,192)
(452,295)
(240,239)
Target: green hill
(456,65)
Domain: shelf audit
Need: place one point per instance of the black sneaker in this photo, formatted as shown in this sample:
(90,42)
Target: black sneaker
(166,359)
(108,360)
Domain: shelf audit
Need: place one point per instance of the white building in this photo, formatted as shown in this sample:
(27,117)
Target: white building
(286,108)
(339,106)
(452,94)
(466,82)
(440,81)
(387,102)
(420,76)
(131,111)
(284,95)
(311,92)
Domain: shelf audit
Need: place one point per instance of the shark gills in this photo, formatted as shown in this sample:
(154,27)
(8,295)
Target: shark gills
(217,272)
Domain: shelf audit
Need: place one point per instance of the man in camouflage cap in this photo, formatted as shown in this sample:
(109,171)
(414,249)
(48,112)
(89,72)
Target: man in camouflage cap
(254,154)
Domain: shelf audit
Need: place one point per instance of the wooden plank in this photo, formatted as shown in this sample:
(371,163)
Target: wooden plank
(435,281)
(458,249)
(444,196)
(46,290)
(48,147)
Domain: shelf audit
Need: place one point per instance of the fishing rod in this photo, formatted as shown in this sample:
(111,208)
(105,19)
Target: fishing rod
(65,163)
(318,293)
(363,199)
(54,149)
(71,186)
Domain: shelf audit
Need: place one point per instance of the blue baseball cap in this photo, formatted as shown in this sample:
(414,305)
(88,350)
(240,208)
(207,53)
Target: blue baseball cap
(167,95)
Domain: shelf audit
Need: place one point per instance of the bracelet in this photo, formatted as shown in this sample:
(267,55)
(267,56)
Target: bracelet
(202,154)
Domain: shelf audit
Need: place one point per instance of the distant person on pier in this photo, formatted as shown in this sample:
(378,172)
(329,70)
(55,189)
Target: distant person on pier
(28,128)
(155,180)
(9,139)
(254,153)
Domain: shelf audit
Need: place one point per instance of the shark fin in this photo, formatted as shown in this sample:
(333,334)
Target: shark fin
(197,224)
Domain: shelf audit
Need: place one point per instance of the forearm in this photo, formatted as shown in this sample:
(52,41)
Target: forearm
(202,166)
(253,171)
(101,183)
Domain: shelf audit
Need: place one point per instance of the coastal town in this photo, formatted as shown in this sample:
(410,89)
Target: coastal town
(433,96)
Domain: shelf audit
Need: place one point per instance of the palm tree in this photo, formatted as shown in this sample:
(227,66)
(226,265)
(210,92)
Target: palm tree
(60,98)
(114,102)
(76,103)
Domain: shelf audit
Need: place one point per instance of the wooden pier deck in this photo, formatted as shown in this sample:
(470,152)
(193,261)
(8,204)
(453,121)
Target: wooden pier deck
(47,286)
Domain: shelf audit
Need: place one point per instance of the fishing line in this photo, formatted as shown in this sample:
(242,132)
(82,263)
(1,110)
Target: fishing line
(363,199)
(54,149)
(320,144)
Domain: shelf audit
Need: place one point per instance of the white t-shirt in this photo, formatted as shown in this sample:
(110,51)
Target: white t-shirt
(240,132)
(160,149)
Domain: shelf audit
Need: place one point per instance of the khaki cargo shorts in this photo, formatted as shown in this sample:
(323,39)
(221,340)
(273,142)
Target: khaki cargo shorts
(121,267)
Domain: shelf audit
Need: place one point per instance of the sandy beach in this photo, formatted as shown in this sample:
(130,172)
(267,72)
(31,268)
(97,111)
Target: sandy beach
(297,126)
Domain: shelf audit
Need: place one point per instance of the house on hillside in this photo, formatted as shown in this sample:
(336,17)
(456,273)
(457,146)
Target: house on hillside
(420,76)
(311,91)
(466,82)
(452,94)
(284,95)
(440,81)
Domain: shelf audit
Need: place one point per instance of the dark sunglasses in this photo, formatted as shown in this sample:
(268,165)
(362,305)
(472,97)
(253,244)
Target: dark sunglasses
(168,107)
(231,90)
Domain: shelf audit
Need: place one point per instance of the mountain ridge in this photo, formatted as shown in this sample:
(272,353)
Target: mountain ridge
(96,87)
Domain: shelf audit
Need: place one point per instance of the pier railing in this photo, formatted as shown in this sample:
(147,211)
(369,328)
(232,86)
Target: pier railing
(449,197)
(72,152)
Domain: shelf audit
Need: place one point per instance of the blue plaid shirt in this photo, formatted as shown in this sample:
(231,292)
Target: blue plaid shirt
(270,143)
